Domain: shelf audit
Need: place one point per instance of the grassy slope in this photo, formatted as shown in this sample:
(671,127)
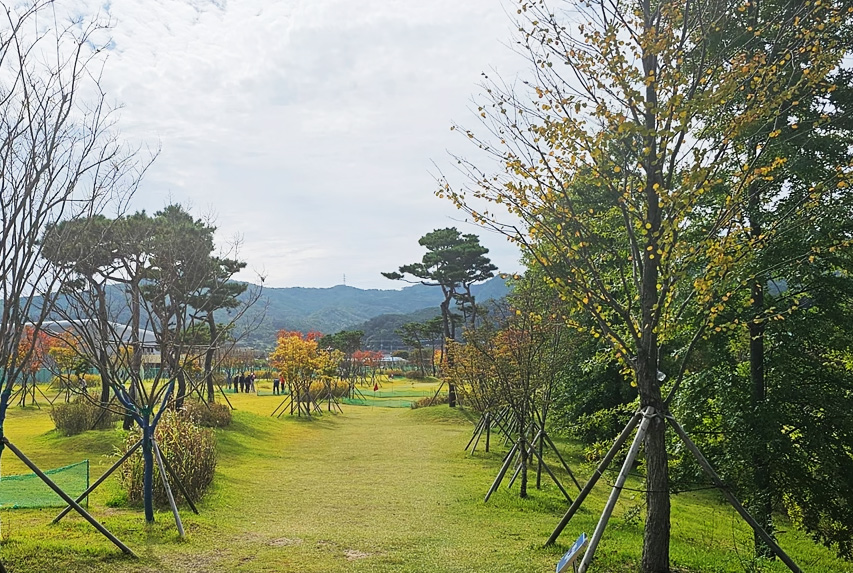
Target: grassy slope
(374,489)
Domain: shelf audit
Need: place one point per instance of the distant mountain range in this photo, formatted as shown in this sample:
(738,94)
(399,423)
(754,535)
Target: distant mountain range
(337,308)
(328,310)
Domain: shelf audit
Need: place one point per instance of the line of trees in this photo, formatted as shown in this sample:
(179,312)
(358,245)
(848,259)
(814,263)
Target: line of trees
(62,166)
(679,174)
(161,272)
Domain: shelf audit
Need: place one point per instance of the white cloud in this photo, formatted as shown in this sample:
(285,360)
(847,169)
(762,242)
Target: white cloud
(308,127)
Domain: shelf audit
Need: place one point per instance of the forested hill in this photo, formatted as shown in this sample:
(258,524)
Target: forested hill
(330,310)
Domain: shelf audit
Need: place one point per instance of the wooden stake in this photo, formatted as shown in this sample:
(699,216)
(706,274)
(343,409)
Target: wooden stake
(502,473)
(169,495)
(180,485)
(553,477)
(560,457)
(98,482)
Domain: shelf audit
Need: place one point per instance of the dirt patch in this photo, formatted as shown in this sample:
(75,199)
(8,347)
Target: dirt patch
(285,541)
(353,554)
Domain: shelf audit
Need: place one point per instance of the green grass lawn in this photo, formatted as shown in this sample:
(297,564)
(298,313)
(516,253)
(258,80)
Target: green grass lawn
(372,489)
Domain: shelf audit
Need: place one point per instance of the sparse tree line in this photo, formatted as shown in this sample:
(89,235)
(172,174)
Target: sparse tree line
(172,285)
(79,287)
(678,178)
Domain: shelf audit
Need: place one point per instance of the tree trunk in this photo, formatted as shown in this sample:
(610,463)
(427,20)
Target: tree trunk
(182,390)
(106,335)
(657,529)
(656,534)
(522,448)
(136,357)
(208,357)
(148,470)
(445,318)
(127,424)
(449,334)
(761,505)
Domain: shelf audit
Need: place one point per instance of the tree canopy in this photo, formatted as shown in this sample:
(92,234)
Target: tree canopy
(632,154)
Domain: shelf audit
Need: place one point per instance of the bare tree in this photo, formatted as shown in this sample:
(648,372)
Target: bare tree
(60,158)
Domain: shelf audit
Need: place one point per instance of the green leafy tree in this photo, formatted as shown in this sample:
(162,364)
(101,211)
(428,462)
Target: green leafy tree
(453,262)
(89,261)
(348,342)
(620,178)
(179,266)
(218,292)
(414,335)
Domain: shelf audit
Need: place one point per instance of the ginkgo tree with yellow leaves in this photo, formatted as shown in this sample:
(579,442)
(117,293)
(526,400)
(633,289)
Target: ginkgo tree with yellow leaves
(618,177)
(298,359)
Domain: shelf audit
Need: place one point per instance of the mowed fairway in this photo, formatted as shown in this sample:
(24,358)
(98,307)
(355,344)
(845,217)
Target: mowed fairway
(372,489)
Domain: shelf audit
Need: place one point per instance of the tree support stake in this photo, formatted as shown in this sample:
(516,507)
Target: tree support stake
(98,482)
(68,499)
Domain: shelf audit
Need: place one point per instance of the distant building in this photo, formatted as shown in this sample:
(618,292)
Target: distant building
(391,361)
(85,329)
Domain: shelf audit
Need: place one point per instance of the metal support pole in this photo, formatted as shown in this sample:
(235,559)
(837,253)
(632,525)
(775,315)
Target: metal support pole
(169,495)
(703,462)
(648,414)
(68,499)
(560,457)
(178,482)
(98,482)
(617,445)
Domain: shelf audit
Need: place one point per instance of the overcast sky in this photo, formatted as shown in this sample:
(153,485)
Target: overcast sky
(308,128)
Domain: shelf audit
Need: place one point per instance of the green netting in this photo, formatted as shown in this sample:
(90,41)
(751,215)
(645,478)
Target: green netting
(383,403)
(267,392)
(399,393)
(29,490)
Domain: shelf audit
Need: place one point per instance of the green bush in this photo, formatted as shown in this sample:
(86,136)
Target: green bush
(80,415)
(391,372)
(188,448)
(428,401)
(340,389)
(414,375)
(208,415)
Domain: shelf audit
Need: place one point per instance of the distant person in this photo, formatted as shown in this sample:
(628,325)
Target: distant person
(275,386)
(252,381)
